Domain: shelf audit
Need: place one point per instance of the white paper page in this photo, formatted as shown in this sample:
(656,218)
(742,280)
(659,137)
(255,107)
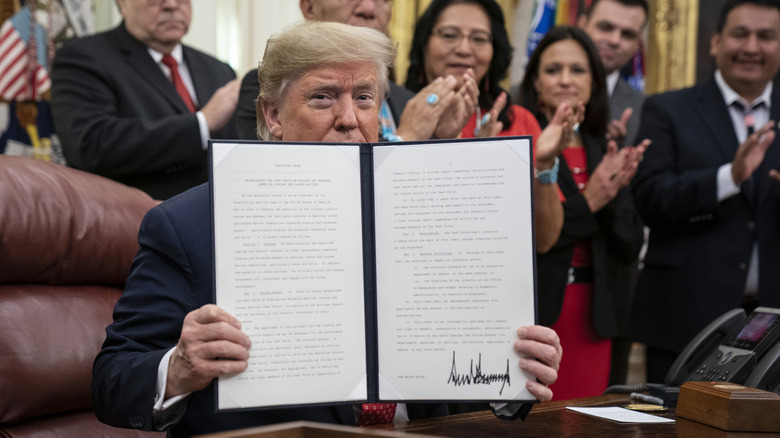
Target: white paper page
(455,269)
(289,266)
(621,415)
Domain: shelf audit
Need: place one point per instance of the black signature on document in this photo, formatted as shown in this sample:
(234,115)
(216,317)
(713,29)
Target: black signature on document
(476,377)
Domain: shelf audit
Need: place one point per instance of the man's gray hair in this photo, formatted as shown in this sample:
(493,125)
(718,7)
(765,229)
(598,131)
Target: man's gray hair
(314,44)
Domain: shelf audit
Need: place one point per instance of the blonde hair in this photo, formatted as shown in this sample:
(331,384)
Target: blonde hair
(313,44)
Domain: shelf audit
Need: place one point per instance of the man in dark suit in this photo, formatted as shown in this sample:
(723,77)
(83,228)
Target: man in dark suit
(168,342)
(615,26)
(420,121)
(705,192)
(123,113)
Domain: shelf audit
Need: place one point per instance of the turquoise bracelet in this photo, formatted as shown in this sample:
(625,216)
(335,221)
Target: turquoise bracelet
(548,176)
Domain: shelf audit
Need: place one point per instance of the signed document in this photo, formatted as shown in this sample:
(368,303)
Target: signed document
(375,272)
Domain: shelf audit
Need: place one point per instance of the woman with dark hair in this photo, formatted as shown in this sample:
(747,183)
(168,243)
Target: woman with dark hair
(468,37)
(595,258)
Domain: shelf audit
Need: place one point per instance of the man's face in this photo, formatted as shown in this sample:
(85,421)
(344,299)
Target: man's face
(160,24)
(615,30)
(365,13)
(335,103)
(747,50)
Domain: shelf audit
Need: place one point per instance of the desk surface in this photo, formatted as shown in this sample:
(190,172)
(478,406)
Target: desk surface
(551,419)
(546,420)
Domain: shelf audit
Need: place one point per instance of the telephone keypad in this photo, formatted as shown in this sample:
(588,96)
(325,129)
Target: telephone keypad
(722,365)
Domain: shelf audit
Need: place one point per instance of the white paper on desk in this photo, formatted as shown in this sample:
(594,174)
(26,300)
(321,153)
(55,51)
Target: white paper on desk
(621,415)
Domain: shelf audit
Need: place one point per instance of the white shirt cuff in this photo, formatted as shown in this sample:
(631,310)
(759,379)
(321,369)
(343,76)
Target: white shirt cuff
(160,404)
(204,129)
(726,186)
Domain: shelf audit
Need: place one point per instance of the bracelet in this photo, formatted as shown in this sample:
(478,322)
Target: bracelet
(548,176)
(392,137)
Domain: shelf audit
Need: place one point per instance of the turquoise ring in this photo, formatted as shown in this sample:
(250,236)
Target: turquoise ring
(432,99)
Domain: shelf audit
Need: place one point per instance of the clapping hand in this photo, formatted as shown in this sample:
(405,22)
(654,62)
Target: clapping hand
(558,134)
(490,126)
(422,112)
(615,171)
(459,109)
(616,130)
(751,153)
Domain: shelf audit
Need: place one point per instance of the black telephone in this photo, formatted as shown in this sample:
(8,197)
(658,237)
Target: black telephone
(734,348)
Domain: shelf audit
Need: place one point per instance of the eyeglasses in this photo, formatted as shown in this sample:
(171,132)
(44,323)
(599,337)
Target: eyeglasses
(451,36)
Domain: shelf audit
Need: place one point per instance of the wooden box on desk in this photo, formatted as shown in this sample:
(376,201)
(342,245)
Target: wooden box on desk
(730,407)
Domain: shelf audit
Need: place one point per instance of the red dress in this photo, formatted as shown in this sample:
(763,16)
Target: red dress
(585,365)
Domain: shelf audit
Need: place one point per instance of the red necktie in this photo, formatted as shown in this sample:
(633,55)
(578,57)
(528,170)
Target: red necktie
(177,82)
(750,123)
(376,413)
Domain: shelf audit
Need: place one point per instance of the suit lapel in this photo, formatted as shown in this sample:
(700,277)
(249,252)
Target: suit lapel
(594,150)
(618,101)
(396,105)
(712,111)
(565,179)
(138,59)
(203,88)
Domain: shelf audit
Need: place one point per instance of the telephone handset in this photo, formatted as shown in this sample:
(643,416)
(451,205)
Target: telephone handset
(731,348)
(766,376)
(702,345)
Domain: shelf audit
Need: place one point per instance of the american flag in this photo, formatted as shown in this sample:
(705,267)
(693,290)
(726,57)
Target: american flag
(22,58)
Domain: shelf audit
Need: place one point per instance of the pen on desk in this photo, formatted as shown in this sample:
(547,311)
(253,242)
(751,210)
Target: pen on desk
(647,398)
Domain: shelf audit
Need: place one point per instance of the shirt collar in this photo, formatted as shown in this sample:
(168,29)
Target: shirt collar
(730,96)
(177,54)
(612,80)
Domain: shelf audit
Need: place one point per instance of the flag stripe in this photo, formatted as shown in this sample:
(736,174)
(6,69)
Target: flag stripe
(21,75)
(10,73)
(14,89)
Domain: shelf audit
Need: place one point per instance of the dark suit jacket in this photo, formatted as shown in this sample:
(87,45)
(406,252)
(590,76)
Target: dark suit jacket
(616,237)
(117,114)
(172,275)
(699,249)
(247,116)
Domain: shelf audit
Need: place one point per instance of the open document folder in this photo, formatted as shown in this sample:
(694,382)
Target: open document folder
(375,272)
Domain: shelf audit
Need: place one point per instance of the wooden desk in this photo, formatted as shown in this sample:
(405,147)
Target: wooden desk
(546,420)
(551,419)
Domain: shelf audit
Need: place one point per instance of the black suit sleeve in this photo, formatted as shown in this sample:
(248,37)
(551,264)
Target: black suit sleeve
(618,221)
(247,114)
(147,323)
(664,192)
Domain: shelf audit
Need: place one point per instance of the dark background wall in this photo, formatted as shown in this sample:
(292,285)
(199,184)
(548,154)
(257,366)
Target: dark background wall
(708,21)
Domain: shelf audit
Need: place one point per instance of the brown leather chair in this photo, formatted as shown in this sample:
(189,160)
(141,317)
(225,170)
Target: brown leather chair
(67,239)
